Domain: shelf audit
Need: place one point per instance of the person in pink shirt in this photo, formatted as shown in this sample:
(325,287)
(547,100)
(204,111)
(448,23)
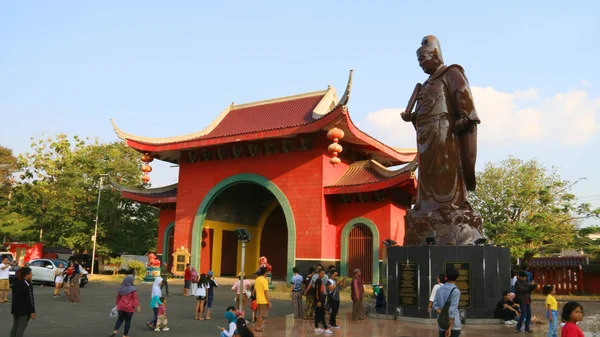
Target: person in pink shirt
(246,293)
(162,316)
(127,303)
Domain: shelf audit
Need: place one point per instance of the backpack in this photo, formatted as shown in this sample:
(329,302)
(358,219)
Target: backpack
(444,316)
(242,327)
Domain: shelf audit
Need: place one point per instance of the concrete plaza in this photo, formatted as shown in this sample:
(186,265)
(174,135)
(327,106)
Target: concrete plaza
(90,317)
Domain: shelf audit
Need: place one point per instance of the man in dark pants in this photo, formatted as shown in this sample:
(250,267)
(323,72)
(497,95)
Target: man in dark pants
(23,306)
(164,273)
(523,289)
(334,286)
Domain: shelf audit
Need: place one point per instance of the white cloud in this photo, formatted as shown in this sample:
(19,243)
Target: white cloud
(524,115)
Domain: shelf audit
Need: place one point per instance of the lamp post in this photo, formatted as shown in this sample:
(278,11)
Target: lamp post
(94,238)
(243,237)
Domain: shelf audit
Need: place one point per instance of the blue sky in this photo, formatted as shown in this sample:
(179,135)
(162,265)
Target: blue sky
(163,69)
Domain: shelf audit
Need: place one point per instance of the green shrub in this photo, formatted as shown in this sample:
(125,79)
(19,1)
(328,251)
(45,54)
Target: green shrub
(139,268)
(116,261)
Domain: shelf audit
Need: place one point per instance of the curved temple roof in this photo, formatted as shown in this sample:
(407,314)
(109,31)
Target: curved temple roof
(150,196)
(279,117)
(369,175)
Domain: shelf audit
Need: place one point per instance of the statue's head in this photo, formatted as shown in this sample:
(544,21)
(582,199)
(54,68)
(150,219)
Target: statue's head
(430,54)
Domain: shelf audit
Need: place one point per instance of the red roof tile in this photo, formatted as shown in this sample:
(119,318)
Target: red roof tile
(266,117)
(556,262)
(369,172)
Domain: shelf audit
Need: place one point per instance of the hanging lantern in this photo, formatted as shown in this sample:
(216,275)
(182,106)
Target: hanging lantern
(335,148)
(146,178)
(146,168)
(147,158)
(335,134)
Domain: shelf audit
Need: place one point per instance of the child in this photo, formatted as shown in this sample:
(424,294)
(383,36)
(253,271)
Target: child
(161,319)
(551,310)
(253,304)
(155,302)
(212,284)
(201,294)
(572,313)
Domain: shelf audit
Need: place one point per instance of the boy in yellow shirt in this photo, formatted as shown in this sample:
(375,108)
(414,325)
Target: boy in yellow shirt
(551,310)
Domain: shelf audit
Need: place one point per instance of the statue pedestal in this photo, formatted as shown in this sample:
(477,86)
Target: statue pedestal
(484,272)
(151,274)
(452,227)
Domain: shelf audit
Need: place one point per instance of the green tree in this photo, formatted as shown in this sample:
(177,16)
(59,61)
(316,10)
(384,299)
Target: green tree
(527,207)
(12,225)
(589,246)
(58,188)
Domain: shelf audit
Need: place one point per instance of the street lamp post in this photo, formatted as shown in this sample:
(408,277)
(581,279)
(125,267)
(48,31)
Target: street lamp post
(243,237)
(94,238)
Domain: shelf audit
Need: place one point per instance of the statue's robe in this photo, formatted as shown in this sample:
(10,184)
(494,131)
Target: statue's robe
(446,156)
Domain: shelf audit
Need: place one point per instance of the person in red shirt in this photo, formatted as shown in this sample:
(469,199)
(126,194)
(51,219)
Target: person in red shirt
(127,303)
(572,313)
(187,280)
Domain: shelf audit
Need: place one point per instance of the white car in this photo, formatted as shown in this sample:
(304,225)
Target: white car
(43,270)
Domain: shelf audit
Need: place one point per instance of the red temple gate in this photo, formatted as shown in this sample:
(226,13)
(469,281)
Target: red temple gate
(564,273)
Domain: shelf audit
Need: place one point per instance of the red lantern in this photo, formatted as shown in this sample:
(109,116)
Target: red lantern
(335,134)
(334,149)
(146,178)
(147,158)
(146,168)
(335,160)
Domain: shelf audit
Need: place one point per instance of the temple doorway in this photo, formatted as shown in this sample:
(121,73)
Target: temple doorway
(274,242)
(360,251)
(229,253)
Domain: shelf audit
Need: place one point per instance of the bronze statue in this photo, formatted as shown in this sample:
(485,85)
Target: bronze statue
(445,121)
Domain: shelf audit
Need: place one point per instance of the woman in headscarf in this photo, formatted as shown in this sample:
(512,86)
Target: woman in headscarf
(155,301)
(127,303)
(195,279)
(74,286)
(231,329)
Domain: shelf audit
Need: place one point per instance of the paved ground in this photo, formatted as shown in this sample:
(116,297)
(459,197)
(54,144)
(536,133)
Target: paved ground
(56,317)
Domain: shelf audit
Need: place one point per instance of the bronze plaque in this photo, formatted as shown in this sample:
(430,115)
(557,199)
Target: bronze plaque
(463,282)
(180,267)
(408,284)
(181,258)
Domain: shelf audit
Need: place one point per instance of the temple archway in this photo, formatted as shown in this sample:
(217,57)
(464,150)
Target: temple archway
(360,249)
(235,186)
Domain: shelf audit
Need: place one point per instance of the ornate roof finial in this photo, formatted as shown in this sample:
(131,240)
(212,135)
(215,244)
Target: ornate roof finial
(346,97)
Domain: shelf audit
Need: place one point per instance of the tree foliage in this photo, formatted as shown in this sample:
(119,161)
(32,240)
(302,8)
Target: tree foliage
(528,207)
(58,190)
(11,224)
(591,247)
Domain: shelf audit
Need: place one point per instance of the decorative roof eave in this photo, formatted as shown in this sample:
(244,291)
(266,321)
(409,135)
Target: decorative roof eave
(323,108)
(150,196)
(402,180)
(403,177)
(402,156)
(177,139)
(144,199)
(331,117)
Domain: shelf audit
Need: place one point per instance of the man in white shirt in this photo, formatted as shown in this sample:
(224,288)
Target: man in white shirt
(4,283)
(441,279)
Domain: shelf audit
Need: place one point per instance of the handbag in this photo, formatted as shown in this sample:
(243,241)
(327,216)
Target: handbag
(113,312)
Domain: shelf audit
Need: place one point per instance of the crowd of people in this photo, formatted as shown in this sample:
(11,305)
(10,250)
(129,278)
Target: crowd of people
(313,297)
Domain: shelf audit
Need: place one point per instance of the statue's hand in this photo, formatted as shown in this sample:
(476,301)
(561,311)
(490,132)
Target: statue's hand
(406,116)
(461,124)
